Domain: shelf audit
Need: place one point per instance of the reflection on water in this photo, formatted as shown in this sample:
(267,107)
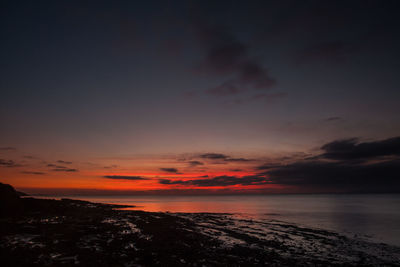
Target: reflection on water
(374,216)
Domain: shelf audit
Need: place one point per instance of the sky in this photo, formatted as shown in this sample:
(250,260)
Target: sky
(200,97)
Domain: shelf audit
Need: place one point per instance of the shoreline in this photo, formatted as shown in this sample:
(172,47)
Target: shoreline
(73,232)
(366,217)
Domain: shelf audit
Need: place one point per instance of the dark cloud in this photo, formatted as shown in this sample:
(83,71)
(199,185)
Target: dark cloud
(59,168)
(227,56)
(213,156)
(9,163)
(267,166)
(351,149)
(7,148)
(238,159)
(65,170)
(33,172)
(333,119)
(344,166)
(219,181)
(172,170)
(218,156)
(110,167)
(194,163)
(64,162)
(124,177)
(340,176)
(53,165)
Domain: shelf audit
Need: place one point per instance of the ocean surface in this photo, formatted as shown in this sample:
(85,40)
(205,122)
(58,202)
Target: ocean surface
(374,217)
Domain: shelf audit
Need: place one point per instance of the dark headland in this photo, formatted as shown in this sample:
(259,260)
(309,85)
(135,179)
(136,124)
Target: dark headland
(43,232)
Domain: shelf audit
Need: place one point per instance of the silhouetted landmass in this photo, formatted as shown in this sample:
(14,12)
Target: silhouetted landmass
(22,194)
(10,202)
(44,232)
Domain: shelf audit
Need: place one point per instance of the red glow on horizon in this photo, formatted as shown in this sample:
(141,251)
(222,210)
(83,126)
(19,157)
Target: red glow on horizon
(93,179)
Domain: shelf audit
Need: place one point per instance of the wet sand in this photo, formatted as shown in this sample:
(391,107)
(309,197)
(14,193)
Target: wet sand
(78,233)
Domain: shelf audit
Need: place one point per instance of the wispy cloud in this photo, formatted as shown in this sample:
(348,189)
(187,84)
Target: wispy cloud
(171,170)
(65,170)
(336,118)
(223,157)
(213,156)
(9,163)
(227,56)
(59,168)
(110,167)
(219,181)
(64,162)
(125,177)
(194,163)
(33,172)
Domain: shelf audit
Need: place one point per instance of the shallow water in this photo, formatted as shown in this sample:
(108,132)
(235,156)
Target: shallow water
(375,217)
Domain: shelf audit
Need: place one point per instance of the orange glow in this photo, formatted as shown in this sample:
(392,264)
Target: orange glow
(42,176)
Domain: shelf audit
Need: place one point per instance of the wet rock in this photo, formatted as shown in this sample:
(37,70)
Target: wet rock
(79,233)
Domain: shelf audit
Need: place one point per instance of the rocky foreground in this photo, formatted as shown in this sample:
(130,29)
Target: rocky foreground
(78,233)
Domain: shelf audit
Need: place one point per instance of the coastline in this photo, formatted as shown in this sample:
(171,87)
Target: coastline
(72,232)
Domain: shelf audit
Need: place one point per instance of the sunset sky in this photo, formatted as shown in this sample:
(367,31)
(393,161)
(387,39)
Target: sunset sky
(193,97)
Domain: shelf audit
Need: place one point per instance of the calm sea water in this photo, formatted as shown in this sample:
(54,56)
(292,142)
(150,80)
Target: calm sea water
(375,217)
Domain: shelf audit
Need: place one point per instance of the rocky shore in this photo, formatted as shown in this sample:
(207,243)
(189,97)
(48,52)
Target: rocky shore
(39,232)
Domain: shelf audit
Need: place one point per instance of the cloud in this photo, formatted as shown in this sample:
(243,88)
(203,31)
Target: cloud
(340,176)
(110,167)
(124,177)
(7,148)
(238,159)
(227,56)
(267,166)
(219,181)
(64,162)
(213,156)
(223,157)
(53,165)
(59,168)
(344,166)
(172,170)
(333,119)
(8,163)
(64,170)
(194,163)
(351,149)
(32,172)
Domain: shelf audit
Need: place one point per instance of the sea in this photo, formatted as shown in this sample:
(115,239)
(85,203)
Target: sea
(374,217)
